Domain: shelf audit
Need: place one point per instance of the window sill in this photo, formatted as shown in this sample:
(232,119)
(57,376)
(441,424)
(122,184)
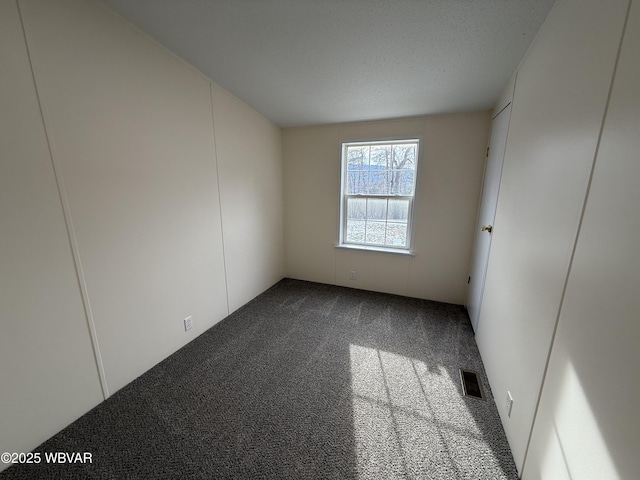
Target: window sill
(375,249)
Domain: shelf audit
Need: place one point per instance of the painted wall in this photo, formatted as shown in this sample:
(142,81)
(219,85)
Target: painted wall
(449,178)
(559,102)
(249,152)
(587,425)
(170,186)
(48,373)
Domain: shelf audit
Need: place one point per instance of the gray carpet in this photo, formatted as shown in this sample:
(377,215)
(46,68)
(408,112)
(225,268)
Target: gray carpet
(307,381)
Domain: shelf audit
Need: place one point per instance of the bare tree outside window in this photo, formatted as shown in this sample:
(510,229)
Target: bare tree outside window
(378,185)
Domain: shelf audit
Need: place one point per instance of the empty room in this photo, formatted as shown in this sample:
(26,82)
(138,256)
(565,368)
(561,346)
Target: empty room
(307,239)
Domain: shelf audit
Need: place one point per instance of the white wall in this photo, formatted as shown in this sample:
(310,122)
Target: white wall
(48,374)
(587,425)
(559,102)
(449,179)
(249,152)
(152,192)
(133,136)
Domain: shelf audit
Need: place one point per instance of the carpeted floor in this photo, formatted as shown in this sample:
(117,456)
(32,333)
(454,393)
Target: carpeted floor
(307,381)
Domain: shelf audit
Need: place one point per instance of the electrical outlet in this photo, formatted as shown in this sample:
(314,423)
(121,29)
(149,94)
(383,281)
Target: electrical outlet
(352,275)
(188,323)
(509,403)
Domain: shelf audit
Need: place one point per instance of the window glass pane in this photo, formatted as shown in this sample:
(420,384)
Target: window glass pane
(357,158)
(378,182)
(397,234)
(355,231)
(379,167)
(376,208)
(380,157)
(357,181)
(398,210)
(394,182)
(375,233)
(357,208)
(404,157)
(405,182)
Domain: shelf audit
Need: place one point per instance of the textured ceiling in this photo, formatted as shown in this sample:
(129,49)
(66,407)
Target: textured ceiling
(305,62)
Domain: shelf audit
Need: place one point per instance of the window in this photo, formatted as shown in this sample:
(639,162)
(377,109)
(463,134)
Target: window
(378,186)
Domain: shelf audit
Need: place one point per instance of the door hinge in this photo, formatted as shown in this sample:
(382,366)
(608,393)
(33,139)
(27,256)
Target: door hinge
(468,280)
(487,154)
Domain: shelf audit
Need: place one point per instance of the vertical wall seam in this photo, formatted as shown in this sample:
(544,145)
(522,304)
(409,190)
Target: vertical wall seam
(215,154)
(408,292)
(577,236)
(73,242)
(338,236)
(285,268)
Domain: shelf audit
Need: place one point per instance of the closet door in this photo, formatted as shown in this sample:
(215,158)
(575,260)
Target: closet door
(487,214)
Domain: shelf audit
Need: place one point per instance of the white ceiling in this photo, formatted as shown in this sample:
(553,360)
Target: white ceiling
(306,62)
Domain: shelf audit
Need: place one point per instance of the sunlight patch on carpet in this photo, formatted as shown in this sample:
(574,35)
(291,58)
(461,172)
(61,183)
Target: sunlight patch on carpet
(410,420)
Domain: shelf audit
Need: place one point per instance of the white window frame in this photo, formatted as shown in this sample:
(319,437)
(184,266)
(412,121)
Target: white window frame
(344,196)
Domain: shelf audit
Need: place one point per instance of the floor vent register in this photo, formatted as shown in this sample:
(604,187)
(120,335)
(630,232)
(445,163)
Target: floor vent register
(471,384)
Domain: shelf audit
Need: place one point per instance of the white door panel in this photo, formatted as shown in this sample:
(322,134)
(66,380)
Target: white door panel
(488,202)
